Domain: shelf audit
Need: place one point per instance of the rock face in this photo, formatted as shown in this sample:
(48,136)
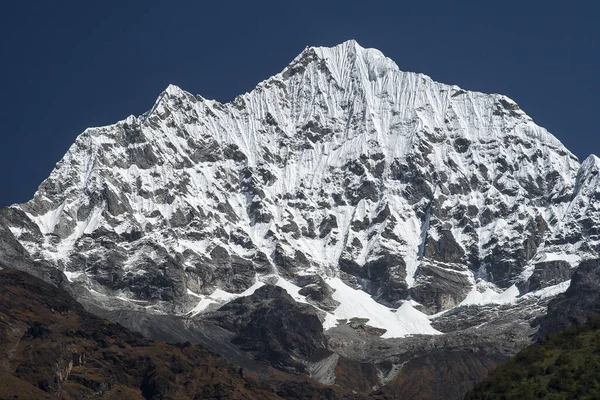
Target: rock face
(273,325)
(579,303)
(342,175)
(549,273)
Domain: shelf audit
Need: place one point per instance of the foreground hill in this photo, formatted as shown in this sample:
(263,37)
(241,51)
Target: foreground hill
(50,347)
(566,366)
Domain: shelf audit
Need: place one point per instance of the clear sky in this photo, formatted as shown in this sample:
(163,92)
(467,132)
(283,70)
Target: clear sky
(66,65)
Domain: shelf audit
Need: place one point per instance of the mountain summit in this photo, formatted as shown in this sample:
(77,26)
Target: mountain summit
(387,204)
(341,172)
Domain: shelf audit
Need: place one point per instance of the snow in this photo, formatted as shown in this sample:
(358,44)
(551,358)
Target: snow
(592,163)
(404,321)
(188,291)
(291,289)
(485,293)
(48,221)
(566,253)
(219,297)
(550,291)
(128,299)
(72,276)
(573,259)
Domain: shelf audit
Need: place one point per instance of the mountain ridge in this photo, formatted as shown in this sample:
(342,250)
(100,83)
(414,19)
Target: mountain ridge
(367,68)
(397,208)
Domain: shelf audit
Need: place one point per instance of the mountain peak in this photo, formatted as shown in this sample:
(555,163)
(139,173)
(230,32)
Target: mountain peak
(592,163)
(351,46)
(399,166)
(173,90)
(587,178)
(351,50)
(345,62)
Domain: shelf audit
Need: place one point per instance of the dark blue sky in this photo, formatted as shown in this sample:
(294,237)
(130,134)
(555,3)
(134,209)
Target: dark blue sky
(67,65)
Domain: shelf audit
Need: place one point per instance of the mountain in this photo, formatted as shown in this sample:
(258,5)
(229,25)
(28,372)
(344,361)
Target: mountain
(407,214)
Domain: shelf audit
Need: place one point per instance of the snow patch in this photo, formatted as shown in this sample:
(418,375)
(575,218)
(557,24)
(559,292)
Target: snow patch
(486,293)
(72,276)
(404,321)
(550,291)
(220,297)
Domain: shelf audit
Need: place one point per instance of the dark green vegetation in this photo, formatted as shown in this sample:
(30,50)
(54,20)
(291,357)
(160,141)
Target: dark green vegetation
(566,366)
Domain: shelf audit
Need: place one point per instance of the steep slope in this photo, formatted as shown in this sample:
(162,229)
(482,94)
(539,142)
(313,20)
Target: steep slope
(51,347)
(580,302)
(581,222)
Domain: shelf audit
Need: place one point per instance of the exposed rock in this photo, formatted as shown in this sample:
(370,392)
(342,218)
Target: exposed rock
(580,302)
(384,278)
(360,324)
(445,249)
(439,288)
(549,273)
(270,324)
(317,292)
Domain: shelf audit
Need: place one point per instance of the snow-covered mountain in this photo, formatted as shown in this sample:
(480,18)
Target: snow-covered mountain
(361,189)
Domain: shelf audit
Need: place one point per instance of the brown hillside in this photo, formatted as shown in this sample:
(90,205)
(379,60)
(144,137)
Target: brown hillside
(50,347)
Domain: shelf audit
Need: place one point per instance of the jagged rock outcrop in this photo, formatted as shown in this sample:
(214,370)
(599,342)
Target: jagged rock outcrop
(271,324)
(580,302)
